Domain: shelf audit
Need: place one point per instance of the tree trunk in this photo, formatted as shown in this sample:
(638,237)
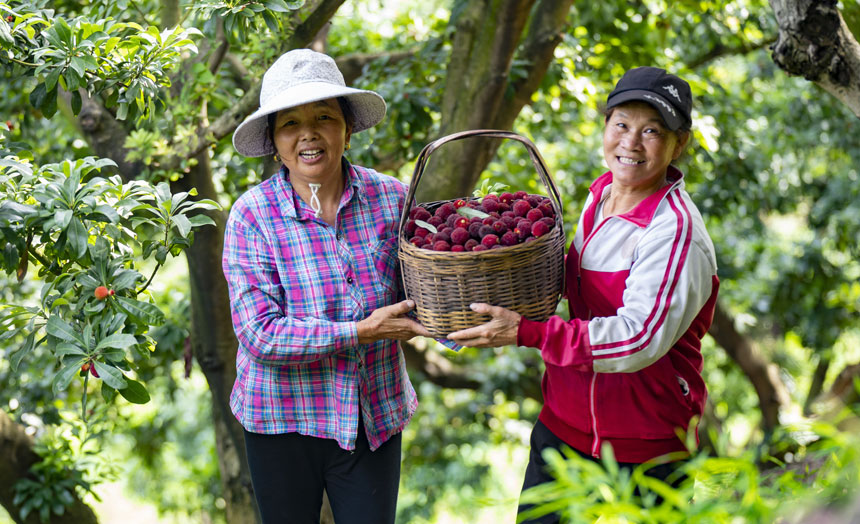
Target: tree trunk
(479,91)
(814,42)
(763,375)
(16,457)
(214,345)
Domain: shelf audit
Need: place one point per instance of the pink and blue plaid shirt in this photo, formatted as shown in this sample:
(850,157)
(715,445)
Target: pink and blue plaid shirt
(298,286)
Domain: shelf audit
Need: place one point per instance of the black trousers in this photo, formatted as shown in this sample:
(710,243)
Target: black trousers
(290,471)
(536,471)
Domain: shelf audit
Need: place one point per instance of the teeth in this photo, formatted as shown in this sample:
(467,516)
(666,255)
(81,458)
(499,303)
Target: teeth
(629,161)
(311,153)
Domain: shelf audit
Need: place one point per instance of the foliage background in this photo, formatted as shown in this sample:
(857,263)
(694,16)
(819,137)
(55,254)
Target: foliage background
(773,168)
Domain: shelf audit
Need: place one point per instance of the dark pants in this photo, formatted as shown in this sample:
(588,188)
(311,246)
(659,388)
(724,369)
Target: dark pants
(290,471)
(536,471)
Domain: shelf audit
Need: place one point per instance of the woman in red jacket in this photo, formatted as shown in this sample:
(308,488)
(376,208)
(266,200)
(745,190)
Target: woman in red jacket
(641,275)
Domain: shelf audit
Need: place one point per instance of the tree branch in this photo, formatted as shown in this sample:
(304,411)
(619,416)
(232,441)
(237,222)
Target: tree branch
(719,51)
(764,376)
(814,42)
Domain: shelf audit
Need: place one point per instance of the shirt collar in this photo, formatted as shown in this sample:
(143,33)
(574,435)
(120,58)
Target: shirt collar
(293,206)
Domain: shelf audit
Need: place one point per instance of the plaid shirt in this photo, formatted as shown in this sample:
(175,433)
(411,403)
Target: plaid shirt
(298,286)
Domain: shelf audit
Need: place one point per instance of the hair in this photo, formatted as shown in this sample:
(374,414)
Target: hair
(345,108)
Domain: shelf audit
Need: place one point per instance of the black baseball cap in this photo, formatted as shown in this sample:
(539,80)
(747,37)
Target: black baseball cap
(669,95)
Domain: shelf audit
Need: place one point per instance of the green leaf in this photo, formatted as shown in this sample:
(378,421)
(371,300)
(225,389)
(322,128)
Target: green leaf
(429,227)
(108,393)
(38,95)
(468,212)
(118,340)
(135,392)
(59,328)
(125,279)
(140,312)
(65,375)
(277,6)
(67,348)
(78,237)
(182,224)
(76,102)
(62,217)
(26,348)
(201,220)
(108,212)
(110,375)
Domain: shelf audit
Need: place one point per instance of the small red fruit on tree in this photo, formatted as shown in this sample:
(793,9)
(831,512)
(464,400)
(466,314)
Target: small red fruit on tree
(102,292)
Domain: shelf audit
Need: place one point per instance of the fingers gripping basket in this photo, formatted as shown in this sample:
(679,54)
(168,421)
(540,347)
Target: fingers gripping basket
(527,278)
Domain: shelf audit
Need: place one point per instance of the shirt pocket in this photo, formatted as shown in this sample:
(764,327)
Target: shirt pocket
(386,267)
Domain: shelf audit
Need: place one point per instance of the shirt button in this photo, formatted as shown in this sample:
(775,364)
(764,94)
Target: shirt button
(349,280)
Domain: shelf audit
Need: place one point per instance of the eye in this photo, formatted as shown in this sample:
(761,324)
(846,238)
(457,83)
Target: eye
(288,123)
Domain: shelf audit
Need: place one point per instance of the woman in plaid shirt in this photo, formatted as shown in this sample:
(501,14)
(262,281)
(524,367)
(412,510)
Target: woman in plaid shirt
(310,256)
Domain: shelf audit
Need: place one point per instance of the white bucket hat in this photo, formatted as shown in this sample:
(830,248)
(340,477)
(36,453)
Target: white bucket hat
(298,77)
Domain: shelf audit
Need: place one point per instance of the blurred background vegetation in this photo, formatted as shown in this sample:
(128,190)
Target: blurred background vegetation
(773,168)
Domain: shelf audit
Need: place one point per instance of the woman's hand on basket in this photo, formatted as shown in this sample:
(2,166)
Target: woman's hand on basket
(390,322)
(500,331)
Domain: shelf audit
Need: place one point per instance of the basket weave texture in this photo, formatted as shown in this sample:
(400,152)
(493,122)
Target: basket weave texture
(527,278)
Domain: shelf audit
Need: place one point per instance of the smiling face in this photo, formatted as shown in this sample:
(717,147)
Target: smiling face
(638,146)
(310,140)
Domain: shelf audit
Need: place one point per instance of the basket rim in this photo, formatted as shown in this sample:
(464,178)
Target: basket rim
(411,249)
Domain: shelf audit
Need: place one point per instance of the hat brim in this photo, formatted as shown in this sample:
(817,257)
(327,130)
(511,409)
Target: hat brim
(252,139)
(671,115)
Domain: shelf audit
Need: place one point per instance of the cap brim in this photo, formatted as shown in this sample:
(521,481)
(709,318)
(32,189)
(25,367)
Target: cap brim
(670,114)
(251,137)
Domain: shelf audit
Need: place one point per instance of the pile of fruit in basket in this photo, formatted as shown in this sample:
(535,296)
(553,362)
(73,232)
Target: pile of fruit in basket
(492,222)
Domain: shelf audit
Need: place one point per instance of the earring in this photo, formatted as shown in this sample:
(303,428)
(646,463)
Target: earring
(347,146)
(277,158)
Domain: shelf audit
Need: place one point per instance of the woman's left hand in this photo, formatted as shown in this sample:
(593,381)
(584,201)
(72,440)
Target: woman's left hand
(500,331)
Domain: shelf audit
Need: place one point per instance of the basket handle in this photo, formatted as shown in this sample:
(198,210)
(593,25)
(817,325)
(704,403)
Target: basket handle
(534,154)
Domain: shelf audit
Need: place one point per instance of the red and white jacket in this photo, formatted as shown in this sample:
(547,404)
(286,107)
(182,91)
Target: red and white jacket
(641,288)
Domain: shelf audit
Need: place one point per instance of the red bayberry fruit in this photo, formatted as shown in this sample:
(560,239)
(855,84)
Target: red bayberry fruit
(417,241)
(441,245)
(459,203)
(427,246)
(534,200)
(507,198)
(445,210)
(510,221)
(486,230)
(471,243)
(457,248)
(435,221)
(419,213)
(504,206)
(86,367)
(534,215)
(539,229)
(520,194)
(411,226)
(499,227)
(521,208)
(490,204)
(443,236)
(421,232)
(490,241)
(547,210)
(523,229)
(462,222)
(475,229)
(101,292)
(509,239)
(479,247)
(548,221)
(459,236)
(112,292)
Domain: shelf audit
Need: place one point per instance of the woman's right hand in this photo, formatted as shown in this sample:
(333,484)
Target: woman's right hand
(390,322)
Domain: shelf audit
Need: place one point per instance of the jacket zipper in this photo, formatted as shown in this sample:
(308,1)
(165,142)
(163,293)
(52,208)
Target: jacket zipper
(595,446)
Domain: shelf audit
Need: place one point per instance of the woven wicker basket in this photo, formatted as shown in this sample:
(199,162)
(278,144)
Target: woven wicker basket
(527,278)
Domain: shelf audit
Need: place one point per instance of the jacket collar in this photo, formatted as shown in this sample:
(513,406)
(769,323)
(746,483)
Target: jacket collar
(643,213)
